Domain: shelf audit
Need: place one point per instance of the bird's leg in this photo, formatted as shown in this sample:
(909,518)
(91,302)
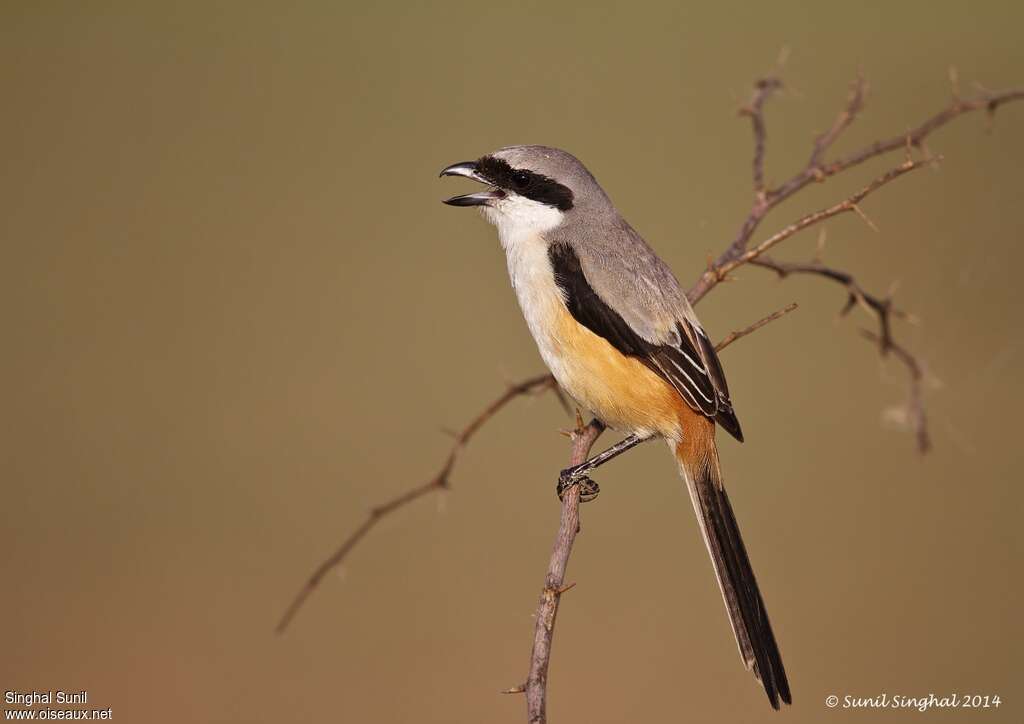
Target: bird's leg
(577,474)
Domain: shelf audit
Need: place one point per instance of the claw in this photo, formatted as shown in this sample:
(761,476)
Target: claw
(589,489)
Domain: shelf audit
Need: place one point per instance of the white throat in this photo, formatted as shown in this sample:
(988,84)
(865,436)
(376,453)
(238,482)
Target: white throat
(520,219)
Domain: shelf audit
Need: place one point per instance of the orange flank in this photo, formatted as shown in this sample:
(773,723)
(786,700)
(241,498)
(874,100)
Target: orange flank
(622,391)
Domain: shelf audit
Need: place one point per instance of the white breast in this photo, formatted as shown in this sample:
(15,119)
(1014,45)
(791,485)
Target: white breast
(539,297)
(521,224)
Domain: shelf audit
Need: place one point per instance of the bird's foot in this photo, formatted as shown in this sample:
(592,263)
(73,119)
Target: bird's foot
(576,476)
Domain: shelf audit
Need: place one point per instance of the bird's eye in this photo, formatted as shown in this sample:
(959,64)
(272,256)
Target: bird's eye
(520,179)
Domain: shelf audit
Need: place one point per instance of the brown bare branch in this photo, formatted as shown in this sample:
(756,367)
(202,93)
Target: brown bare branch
(763,89)
(733,336)
(583,440)
(440,481)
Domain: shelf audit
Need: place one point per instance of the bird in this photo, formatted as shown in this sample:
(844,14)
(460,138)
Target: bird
(618,334)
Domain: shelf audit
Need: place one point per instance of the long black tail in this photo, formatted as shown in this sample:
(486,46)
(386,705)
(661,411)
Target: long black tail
(735,576)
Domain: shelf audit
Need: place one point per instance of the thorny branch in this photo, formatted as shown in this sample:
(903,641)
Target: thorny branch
(736,254)
(763,89)
(583,438)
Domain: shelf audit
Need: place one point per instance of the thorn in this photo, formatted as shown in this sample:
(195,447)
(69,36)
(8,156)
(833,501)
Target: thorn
(794,92)
(563,589)
(864,217)
(514,690)
(579,421)
(954,82)
(860,81)
(872,337)
(783,57)
(567,433)
(820,249)
(990,116)
(930,159)
(449,432)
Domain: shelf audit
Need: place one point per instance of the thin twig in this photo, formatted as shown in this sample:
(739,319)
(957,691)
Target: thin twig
(733,336)
(915,403)
(881,307)
(988,102)
(854,105)
(440,481)
(763,89)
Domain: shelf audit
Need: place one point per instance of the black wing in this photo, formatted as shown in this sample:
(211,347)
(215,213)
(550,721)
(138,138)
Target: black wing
(696,374)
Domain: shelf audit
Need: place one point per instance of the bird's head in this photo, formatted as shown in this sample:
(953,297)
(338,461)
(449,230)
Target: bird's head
(531,189)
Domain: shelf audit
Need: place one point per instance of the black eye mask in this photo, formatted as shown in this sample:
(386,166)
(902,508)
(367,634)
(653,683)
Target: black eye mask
(532,185)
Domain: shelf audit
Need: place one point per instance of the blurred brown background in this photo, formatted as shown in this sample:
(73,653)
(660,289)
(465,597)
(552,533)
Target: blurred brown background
(236,316)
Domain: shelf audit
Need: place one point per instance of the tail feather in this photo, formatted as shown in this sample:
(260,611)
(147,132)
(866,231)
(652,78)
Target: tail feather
(743,602)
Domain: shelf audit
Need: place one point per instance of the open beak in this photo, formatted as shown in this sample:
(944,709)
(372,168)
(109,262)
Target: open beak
(481,198)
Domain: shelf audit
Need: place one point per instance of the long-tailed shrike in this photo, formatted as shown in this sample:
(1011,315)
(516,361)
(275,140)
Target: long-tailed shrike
(620,337)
